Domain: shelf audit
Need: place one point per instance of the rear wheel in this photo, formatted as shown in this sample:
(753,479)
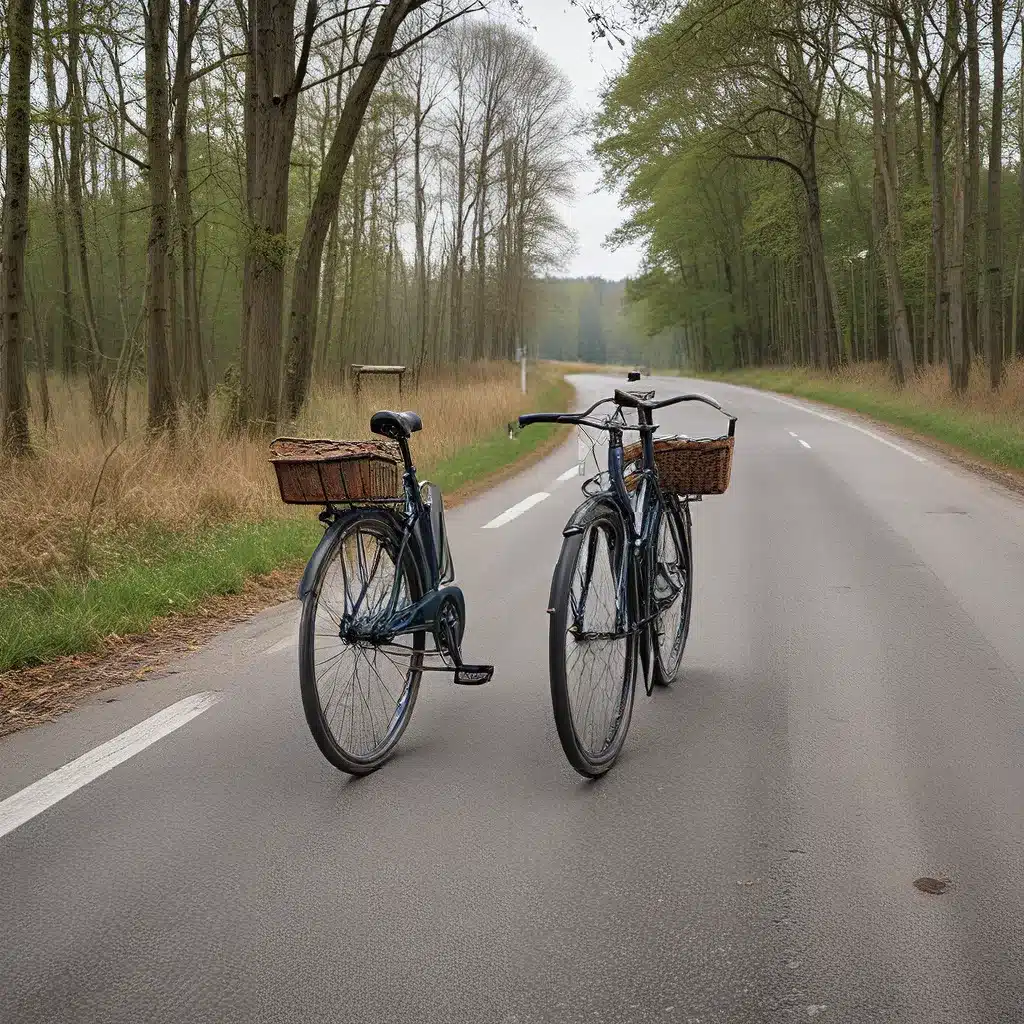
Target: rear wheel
(672,590)
(592,652)
(359,690)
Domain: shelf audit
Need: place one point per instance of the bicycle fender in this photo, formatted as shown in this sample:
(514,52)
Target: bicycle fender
(578,520)
(319,554)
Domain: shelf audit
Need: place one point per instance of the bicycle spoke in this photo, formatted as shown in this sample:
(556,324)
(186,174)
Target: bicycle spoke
(595,650)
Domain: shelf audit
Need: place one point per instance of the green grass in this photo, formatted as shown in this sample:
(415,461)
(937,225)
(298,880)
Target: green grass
(166,572)
(494,452)
(42,623)
(996,439)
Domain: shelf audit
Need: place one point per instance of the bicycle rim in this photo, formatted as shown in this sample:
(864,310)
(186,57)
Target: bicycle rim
(358,696)
(592,650)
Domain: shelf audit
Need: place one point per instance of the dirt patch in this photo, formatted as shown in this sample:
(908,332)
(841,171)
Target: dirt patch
(30,696)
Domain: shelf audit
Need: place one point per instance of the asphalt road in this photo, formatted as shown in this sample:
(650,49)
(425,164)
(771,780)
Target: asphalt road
(850,717)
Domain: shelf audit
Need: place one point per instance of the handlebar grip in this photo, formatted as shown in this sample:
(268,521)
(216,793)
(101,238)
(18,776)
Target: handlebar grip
(540,417)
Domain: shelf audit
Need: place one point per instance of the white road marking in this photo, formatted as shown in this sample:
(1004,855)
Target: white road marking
(41,795)
(791,434)
(516,510)
(845,423)
(804,443)
(569,474)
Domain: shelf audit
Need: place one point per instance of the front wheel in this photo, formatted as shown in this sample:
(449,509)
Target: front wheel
(672,589)
(358,687)
(592,649)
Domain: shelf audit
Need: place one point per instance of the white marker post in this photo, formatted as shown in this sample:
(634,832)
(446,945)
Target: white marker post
(521,354)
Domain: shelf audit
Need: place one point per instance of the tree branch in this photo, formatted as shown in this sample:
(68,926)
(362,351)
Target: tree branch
(142,165)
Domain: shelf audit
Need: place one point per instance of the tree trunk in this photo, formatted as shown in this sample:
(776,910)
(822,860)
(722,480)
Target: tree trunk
(941,294)
(889,235)
(1017,334)
(306,279)
(68,332)
(272,85)
(193,384)
(958,355)
(826,338)
(97,372)
(42,358)
(993,231)
(161,415)
(420,219)
(972,219)
(15,434)
(917,89)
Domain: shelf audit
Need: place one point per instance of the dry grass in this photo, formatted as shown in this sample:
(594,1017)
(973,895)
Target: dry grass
(930,389)
(79,506)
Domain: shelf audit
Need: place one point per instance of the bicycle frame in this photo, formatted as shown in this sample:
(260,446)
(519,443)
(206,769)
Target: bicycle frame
(413,523)
(642,516)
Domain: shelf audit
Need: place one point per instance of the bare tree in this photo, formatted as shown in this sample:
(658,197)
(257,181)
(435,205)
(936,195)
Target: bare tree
(15,435)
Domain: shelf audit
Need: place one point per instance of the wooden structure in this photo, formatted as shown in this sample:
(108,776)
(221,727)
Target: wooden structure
(356,371)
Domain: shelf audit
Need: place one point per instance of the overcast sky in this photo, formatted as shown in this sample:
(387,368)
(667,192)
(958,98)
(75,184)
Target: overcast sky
(562,32)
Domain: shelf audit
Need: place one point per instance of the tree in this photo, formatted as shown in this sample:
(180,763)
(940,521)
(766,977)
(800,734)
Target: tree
(15,434)
(306,278)
(162,413)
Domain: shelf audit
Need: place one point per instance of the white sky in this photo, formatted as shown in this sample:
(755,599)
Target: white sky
(563,33)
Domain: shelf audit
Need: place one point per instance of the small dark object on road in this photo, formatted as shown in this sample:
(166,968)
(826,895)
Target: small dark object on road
(932,886)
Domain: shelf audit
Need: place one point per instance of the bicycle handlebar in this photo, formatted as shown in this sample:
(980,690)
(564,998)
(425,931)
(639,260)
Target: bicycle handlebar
(577,419)
(621,399)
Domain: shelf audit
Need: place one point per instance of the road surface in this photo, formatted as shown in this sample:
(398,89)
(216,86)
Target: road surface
(850,717)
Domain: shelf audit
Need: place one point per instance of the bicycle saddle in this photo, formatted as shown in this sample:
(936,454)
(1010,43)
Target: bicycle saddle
(395,424)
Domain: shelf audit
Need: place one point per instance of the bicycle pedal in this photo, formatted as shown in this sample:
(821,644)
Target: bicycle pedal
(473,675)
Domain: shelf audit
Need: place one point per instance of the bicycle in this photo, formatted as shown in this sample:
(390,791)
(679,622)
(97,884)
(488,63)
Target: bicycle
(622,588)
(378,589)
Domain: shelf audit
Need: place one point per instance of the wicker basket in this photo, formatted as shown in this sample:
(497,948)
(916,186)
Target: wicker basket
(688,466)
(315,472)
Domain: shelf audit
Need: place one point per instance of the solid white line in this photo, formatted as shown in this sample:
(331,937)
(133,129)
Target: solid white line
(845,423)
(804,443)
(516,510)
(51,789)
(569,474)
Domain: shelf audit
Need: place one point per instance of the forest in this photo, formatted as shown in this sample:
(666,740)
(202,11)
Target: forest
(236,199)
(825,183)
(591,320)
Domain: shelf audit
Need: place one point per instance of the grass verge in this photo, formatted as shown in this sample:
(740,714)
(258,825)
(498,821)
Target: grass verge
(167,571)
(986,426)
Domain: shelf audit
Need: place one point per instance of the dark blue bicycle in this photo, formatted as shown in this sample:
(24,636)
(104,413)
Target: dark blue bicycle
(622,589)
(379,602)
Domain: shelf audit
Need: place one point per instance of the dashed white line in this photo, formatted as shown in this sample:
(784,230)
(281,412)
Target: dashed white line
(27,803)
(845,423)
(516,510)
(804,443)
(791,434)
(569,474)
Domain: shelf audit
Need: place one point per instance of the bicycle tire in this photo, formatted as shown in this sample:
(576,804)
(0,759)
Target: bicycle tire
(605,523)
(678,572)
(359,525)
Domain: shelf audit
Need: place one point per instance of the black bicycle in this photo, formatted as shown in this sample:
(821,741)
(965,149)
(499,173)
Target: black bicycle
(379,601)
(622,589)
